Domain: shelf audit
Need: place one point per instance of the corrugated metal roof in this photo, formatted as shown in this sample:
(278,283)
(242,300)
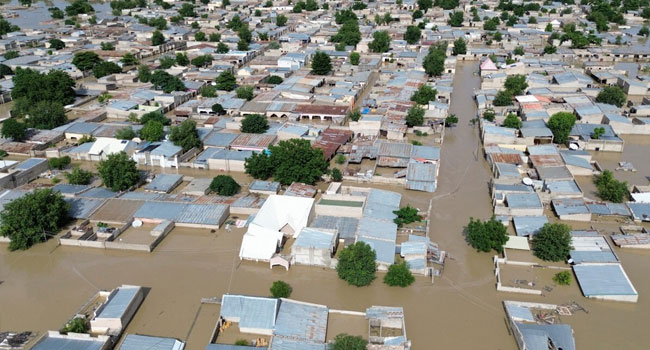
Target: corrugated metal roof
(64,343)
(219,139)
(529,225)
(202,214)
(143,342)
(523,200)
(164,182)
(346,226)
(536,336)
(301,321)
(118,304)
(69,188)
(519,312)
(252,312)
(30,163)
(279,343)
(385,250)
(569,206)
(83,208)
(603,280)
(259,185)
(377,229)
(98,192)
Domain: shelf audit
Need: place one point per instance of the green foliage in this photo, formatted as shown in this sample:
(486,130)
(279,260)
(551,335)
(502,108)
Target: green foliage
(424,94)
(56,13)
(214,37)
(598,132)
(105,97)
(406,215)
(222,48)
(85,139)
(644,31)
(167,62)
(85,60)
(157,38)
(59,163)
(76,325)
(7,27)
(218,109)
(425,5)
(434,62)
(274,79)
(125,133)
(563,278)
(107,46)
(259,166)
(460,47)
(451,120)
(152,131)
(185,135)
(105,68)
(516,84)
(281,20)
(417,14)
(609,188)
(343,16)
(224,185)
(357,264)
(154,116)
(415,116)
(226,81)
(381,41)
(486,236)
(340,159)
(337,176)
(488,115)
(321,64)
(79,7)
(349,342)
(354,58)
(79,176)
(254,124)
(447,4)
(5,70)
(456,19)
(56,44)
(129,59)
(512,121)
(118,172)
(202,61)
(280,289)
(182,60)
(208,90)
(550,49)
(33,218)
(13,129)
(561,124)
(290,161)
(399,275)
(354,115)
(503,98)
(416,143)
(245,92)
(166,82)
(200,36)
(553,242)
(612,95)
(491,24)
(263,36)
(187,10)
(348,34)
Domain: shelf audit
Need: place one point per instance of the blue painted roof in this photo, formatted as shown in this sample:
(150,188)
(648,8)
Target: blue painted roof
(30,163)
(202,214)
(569,206)
(568,186)
(118,304)
(603,279)
(640,211)
(69,188)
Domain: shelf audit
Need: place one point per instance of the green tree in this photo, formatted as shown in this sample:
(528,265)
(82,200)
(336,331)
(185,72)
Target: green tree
(644,31)
(485,236)
(245,34)
(154,116)
(425,5)
(451,120)
(107,46)
(214,37)
(166,82)
(157,38)
(321,64)
(399,275)
(434,61)
(85,60)
(337,176)
(417,14)
(5,70)
(561,124)
(33,218)
(222,48)
(75,325)
(208,91)
(129,59)
(274,79)
(200,36)
(79,176)
(381,41)
(460,47)
(46,115)
(185,135)
(549,28)
(105,68)
(280,289)
(415,116)
(456,19)
(295,160)
(259,166)
(503,98)
(218,109)
(349,342)
(563,278)
(125,133)
(598,132)
(56,13)
(13,129)
(518,51)
(56,44)
(118,172)
(512,121)
(488,115)
(612,95)
(550,49)
(254,124)
(166,62)
(412,35)
(348,34)
(224,185)
(187,10)
(281,20)
(152,131)
(355,57)
(424,94)
(357,264)
(516,84)
(226,81)
(202,61)
(245,92)
(406,215)
(553,242)
(79,7)
(609,188)
(59,163)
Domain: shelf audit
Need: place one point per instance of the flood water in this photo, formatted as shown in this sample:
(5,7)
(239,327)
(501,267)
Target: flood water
(44,286)
(37,15)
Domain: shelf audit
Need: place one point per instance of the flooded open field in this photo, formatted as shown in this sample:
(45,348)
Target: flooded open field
(44,286)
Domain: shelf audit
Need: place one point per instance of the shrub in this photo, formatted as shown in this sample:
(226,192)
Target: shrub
(75,325)
(512,121)
(357,264)
(59,163)
(348,342)
(609,188)
(563,278)
(337,176)
(79,176)
(451,120)
(399,275)
(612,95)
(406,215)
(281,289)
(340,159)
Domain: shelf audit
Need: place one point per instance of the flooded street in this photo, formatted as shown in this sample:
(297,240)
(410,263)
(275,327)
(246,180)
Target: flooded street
(44,286)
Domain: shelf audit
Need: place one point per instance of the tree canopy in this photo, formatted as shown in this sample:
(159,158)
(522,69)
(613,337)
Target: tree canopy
(381,41)
(415,116)
(13,129)
(79,176)
(280,289)
(105,68)
(32,87)
(254,124)
(152,131)
(399,275)
(348,34)
(118,172)
(512,121)
(321,64)
(33,218)
(289,161)
(185,135)
(516,84)
(424,94)
(226,81)
(486,236)
(612,95)
(85,60)
(349,342)
(456,19)
(460,47)
(609,188)
(434,62)
(552,242)
(245,92)
(561,124)
(357,264)
(406,215)
(412,35)
(166,82)
(224,185)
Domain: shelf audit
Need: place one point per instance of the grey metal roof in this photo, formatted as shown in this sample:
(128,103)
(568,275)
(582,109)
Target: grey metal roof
(569,206)
(346,226)
(143,342)
(83,208)
(219,139)
(586,130)
(50,343)
(377,229)
(529,225)
(603,279)
(30,163)
(82,128)
(421,177)
(69,188)
(519,312)
(524,200)
(426,152)
(314,238)
(508,170)
(640,211)
(118,304)
(572,160)
(98,192)
(538,336)
(303,321)
(252,312)
(569,186)
(293,344)
(582,256)
(230,347)
(202,214)
(166,149)
(164,182)
(259,185)
(385,250)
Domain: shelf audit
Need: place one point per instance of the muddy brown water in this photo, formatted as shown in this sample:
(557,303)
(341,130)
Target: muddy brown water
(45,285)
